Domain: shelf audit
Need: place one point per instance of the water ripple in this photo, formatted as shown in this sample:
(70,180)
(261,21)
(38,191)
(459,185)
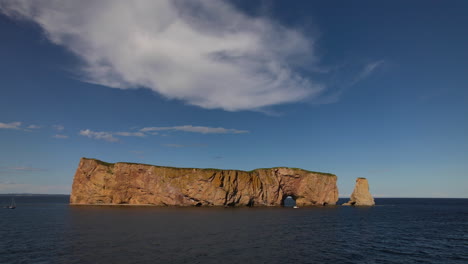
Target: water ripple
(399,231)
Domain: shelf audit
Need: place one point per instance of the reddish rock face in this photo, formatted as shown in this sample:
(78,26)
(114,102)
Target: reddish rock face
(361,195)
(97,182)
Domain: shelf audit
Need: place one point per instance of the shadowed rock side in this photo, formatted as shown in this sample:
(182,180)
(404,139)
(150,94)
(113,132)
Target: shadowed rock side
(97,182)
(361,194)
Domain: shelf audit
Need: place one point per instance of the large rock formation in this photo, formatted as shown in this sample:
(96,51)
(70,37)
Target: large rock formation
(361,194)
(97,182)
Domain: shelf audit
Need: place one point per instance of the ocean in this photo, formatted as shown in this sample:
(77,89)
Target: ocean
(45,229)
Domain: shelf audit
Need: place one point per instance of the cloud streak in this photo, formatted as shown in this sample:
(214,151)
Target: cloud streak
(148,131)
(175,145)
(334,94)
(204,53)
(60,136)
(368,70)
(196,129)
(183,145)
(107,136)
(130,134)
(12,125)
(22,168)
(58,127)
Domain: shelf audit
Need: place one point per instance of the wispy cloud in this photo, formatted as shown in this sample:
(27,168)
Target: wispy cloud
(109,136)
(205,53)
(58,127)
(175,145)
(148,131)
(367,70)
(130,134)
(196,129)
(12,125)
(183,145)
(336,91)
(60,136)
(98,135)
(19,126)
(21,168)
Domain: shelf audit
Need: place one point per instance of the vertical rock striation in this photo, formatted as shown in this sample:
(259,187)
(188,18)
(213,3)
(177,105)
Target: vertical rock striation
(361,194)
(97,182)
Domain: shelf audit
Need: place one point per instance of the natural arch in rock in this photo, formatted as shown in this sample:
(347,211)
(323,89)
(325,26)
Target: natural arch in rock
(98,182)
(288,201)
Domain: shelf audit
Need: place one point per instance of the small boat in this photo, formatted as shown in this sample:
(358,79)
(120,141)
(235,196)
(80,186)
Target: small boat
(12,204)
(295,207)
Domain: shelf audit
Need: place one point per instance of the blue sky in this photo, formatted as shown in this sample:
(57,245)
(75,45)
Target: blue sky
(357,88)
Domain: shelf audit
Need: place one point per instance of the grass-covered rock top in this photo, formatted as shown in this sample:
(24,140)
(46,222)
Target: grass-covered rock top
(207,169)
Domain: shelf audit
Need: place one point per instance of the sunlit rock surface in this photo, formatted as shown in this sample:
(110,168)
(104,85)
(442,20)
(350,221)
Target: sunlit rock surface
(98,182)
(361,194)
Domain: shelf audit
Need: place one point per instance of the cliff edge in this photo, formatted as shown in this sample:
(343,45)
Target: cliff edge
(361,194)
(98,182)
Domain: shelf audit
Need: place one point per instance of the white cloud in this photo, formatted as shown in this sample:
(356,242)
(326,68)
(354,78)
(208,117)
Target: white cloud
(130,134)
(98,135)
(12,125)
(109,136)
(60,136)
(197,129)
(205,53)
(33,127)
(58,127)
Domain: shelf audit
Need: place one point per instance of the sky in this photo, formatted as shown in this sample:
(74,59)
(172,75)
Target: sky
(356,88)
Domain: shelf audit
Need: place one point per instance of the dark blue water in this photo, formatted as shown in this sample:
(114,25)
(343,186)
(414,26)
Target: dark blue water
(47,230)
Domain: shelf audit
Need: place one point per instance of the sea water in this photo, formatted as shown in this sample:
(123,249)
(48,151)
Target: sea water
(45,229)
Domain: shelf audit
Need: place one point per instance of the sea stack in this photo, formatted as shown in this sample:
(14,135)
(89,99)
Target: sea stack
(98,182)
(361,195)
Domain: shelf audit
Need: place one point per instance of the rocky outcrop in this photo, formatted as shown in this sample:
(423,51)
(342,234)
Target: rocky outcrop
(361,194)
(97,182)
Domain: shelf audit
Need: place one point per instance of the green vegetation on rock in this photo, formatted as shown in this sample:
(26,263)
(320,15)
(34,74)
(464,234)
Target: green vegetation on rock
(208,169)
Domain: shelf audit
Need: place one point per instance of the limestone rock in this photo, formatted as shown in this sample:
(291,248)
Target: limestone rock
(97,182)
(361,194)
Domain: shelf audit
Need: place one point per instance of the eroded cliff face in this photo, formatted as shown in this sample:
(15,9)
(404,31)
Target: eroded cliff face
(97,182)
(361,194)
